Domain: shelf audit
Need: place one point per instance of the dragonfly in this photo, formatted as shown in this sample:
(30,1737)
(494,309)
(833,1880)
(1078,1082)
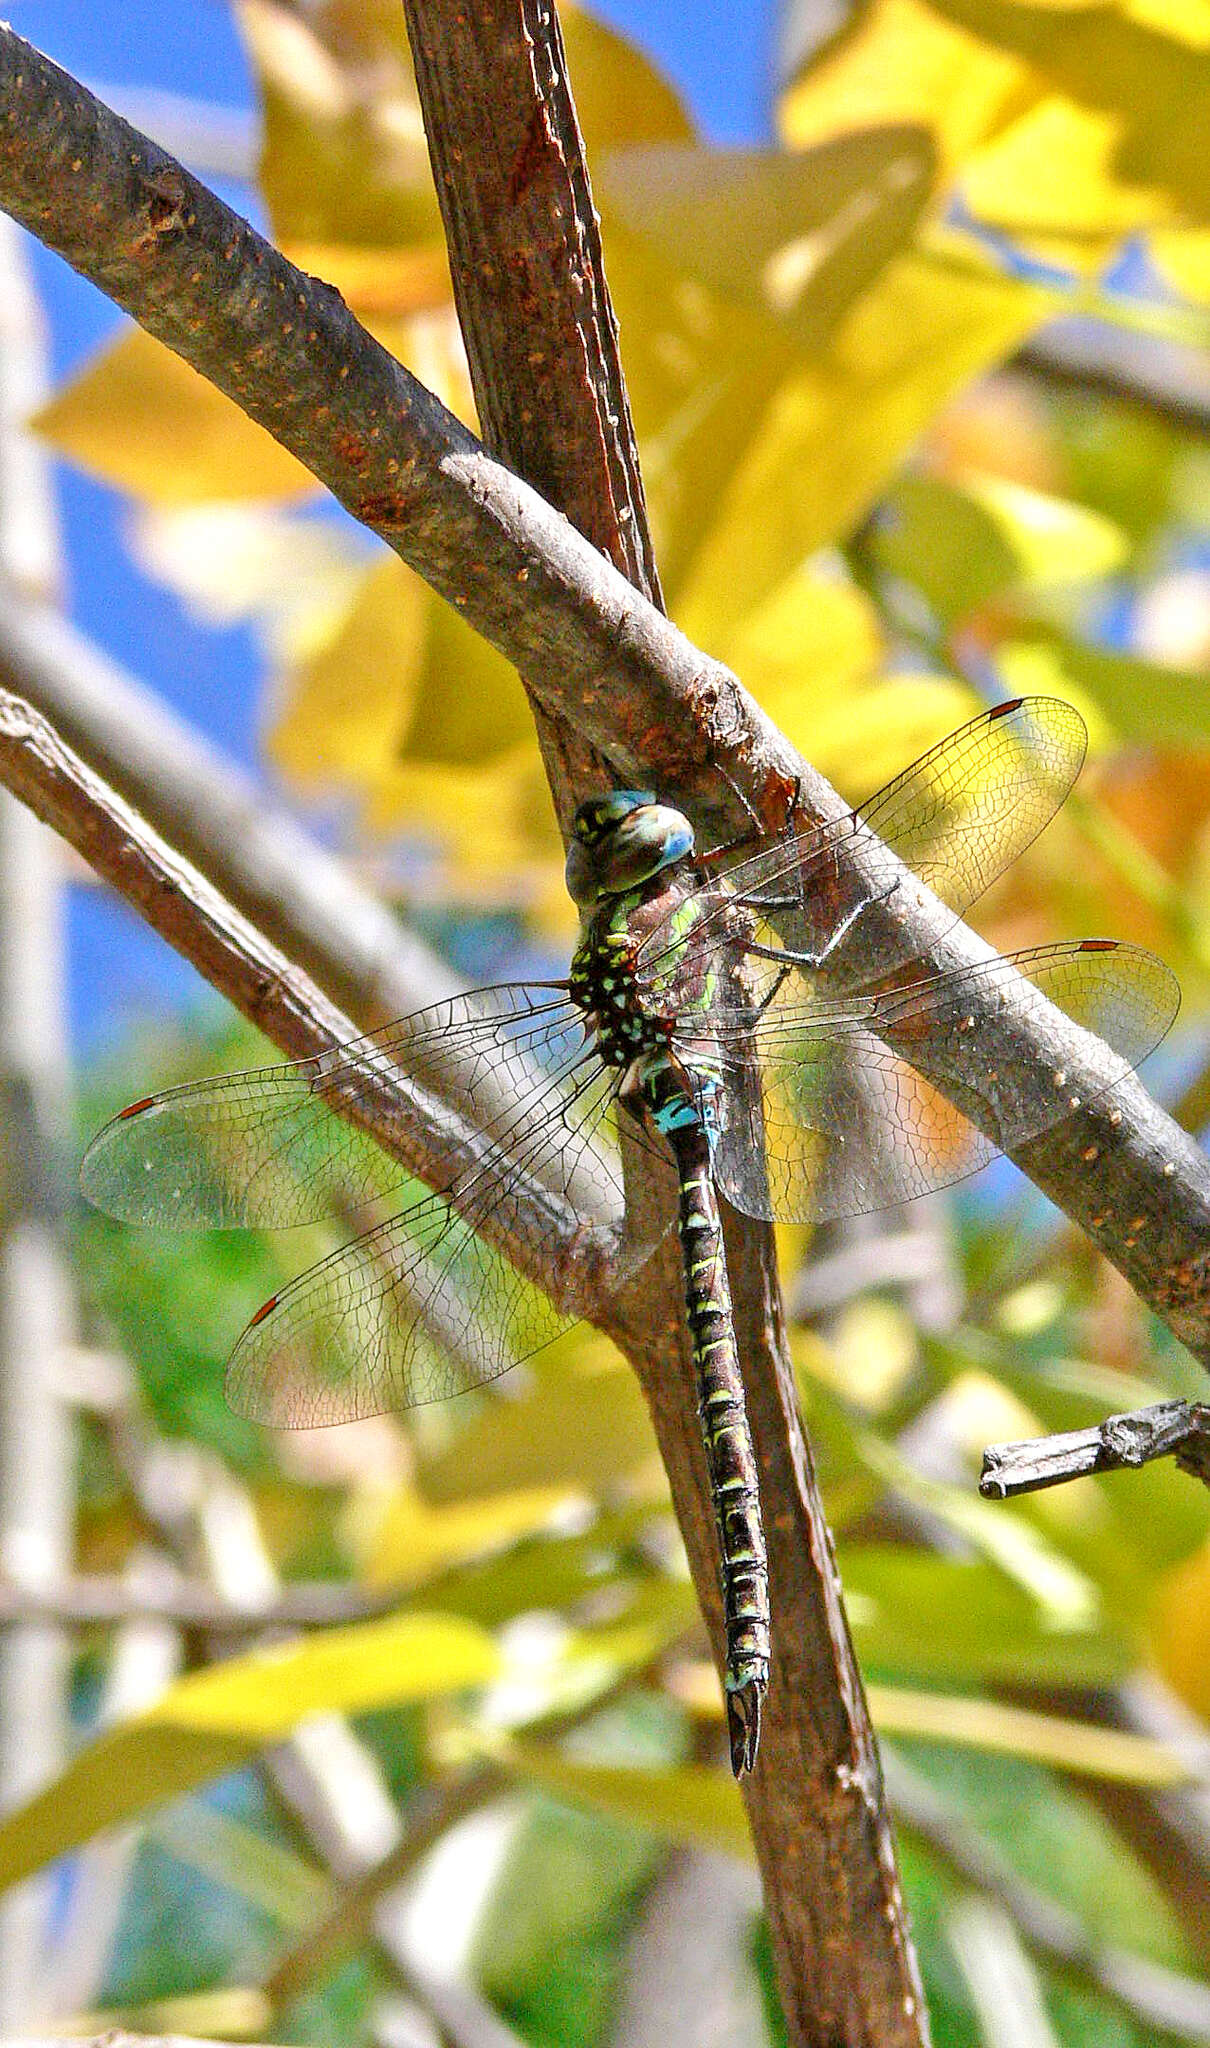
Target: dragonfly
(754,1019)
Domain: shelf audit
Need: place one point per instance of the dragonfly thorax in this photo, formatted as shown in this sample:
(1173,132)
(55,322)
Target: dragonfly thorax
(621,867)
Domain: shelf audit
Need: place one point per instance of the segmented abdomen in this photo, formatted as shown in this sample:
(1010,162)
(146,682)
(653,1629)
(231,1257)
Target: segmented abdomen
(730,1457)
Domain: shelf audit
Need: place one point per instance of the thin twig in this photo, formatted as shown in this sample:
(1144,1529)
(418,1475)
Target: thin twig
(1168,1429)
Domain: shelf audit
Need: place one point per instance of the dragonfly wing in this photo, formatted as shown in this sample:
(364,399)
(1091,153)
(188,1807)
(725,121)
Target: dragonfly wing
(957,818)
(426,1305)
(271,1147)
(823,1113)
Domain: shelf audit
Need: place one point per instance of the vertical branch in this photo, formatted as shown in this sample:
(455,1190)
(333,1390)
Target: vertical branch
(542,342)
(36,1461)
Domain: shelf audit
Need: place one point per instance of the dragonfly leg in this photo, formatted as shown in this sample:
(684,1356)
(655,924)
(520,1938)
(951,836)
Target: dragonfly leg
(817,958)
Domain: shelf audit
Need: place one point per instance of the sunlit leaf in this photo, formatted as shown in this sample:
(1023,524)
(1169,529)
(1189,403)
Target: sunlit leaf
(344,156)
(621,96)
(1053,174)
(413,1539)
(902,61)
(728,268)
(1133,70)
(921,1617)
(1144,703)
(1183,257)
(214,1720)
(140,418)
(688,1804)
(581,1425)
(232,2012)
(837,429)
(1180,1628)
(401,680)
(963,541)
(1066,1745)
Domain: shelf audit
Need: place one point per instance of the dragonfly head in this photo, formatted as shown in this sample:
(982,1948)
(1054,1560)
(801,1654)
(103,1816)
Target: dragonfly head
(621,840)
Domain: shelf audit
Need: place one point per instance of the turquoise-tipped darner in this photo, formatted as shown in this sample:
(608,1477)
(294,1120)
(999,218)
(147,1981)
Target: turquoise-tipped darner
(751,1021)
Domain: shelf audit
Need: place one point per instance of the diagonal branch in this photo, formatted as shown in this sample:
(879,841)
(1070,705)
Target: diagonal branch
(541,1235)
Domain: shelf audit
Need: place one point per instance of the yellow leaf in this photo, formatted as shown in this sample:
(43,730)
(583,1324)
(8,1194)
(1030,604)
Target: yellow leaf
(344,157)
(1183,254)
(1053,173)
(583,1422)
(380,283)
(494,824)
(212,1721)
(726,268)
(1066,1745)
(1180,1629)
(401,679)
(861,743)
(837,428)
(140,418)
(1152,81)
(413,1539)
(621,97)
(260,1697)
(796,233)
(901,61)
(817,629)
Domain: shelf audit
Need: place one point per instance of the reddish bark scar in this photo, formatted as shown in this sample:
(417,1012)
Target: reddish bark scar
(383,508)
(528,160)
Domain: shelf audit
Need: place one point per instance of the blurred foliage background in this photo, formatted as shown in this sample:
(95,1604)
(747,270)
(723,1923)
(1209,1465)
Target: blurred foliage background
(878,492)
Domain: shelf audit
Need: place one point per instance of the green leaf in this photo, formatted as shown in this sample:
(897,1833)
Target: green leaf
(689,1804)
(921,1617)
(1146,704)
(963,543)
(213,1721)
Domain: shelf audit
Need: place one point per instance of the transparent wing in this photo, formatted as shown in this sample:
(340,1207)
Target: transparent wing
(957,818)
(847,1124)
(272,1147)
(425,1305)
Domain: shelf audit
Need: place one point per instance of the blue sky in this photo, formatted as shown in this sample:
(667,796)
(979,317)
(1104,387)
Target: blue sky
(717,51)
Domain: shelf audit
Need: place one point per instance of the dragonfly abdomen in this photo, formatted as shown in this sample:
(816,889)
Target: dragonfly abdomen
(730,1456)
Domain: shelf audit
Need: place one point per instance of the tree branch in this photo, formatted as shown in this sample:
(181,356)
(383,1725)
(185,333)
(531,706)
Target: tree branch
(1168,1429)
(541,339)
(285,347)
